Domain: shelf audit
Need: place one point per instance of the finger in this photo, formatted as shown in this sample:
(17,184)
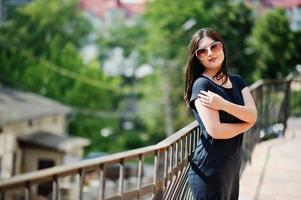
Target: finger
(204,92)
(203,96)
(206,105)
(210,92)
(202,101)
(205,102)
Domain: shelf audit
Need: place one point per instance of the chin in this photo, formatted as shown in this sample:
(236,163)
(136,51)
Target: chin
(215,65)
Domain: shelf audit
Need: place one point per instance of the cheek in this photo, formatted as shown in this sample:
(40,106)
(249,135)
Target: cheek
(222,56)
(203,62)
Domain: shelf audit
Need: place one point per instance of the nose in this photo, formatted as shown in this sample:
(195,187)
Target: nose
(209,52)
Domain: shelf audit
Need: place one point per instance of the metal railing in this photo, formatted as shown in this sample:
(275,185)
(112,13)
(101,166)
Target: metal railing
(161,169)
(169,172)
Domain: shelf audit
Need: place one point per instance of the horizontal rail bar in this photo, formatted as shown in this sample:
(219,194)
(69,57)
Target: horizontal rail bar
(261,82)
(49,174)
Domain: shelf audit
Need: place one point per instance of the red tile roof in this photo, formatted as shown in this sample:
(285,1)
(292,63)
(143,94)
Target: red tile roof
(283,3)
(133,8)
(100,7)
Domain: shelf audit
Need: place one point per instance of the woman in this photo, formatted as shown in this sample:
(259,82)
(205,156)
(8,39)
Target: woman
(224,108)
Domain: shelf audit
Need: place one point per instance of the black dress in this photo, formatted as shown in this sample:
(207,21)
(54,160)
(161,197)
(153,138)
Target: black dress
(215,163)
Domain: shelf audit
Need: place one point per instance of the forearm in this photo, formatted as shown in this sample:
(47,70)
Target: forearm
(244,113)
(229,130)
(211,120)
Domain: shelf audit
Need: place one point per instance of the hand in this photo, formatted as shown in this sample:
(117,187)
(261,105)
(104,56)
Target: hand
(211,100)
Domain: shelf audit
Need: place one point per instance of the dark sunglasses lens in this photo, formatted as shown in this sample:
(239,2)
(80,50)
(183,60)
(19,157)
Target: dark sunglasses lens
(201,53)
(216,47)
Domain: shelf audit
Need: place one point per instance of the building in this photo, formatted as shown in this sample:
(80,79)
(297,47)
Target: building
(101,7)
(33,133)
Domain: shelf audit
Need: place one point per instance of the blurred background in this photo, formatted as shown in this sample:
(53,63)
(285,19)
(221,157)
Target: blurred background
(84,78)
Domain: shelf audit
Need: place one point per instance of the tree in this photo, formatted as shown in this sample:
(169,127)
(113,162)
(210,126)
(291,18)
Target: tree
(170,25)
(40,53)
(273,43)
(297,48)
(235,21)
(42,30)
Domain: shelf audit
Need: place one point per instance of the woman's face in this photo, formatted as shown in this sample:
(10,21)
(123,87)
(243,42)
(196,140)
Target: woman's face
(213,57)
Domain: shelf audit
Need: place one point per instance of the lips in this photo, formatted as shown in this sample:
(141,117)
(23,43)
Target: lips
(212,59)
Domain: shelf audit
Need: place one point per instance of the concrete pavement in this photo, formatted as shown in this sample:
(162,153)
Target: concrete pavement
(275,171)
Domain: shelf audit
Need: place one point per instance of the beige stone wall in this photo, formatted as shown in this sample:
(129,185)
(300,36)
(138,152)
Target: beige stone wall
(31,158)
(8,147)
(54,124)
(9,150)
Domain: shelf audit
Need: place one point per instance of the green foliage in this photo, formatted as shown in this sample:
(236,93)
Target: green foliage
(295,103)
(41,23)
(273,43)
(234,21)
(165,20)
(297,48)
(168,39)
(151,106)
(121,34)
(90,127)
(41,53)
(43,30)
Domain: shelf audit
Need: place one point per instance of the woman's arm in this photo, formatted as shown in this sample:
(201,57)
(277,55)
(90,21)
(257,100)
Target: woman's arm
(214,127)
(246,113)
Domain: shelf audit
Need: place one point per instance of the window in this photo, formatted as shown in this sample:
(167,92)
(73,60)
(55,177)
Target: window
(45,188)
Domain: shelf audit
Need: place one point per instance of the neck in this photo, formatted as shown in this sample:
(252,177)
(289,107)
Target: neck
(210,73)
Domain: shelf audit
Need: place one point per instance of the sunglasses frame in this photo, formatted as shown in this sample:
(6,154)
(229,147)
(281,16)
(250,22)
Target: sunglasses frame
(208,48)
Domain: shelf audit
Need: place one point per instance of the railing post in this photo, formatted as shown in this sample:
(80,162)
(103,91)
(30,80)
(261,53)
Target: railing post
(2,195)
(287,103)
(28,192)
(165,167)
(159,174)
(55,188)
(80,184)
(121,177)
(101,194)
(260,109)
(140,174)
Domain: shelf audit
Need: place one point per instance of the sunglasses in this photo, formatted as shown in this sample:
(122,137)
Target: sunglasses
(215,47)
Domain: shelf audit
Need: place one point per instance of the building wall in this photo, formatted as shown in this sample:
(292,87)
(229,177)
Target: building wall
(55,124)
(294,15)
(11,155)
(32,155)
(7,150)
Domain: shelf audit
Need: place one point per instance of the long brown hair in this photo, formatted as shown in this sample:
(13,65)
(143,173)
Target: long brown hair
(194,67)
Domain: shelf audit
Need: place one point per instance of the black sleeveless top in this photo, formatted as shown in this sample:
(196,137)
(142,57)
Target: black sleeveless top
(218,161)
